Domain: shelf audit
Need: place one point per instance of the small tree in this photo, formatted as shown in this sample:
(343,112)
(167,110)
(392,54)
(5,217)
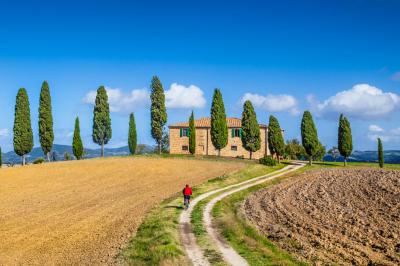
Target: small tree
(46,135)
(67,157)
(251,139)
(23,136)
(309,135)
(345,142)
(54,156)
(77,145)
(158,111)
(219,128)
(101,119)
(276,143)
(380,153)
(165,142)
(132,137)
(334,152)
(192,135)
(294,150)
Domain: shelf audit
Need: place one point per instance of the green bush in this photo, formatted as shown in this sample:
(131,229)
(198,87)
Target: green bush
(67,157)
(39,160)
(268,161)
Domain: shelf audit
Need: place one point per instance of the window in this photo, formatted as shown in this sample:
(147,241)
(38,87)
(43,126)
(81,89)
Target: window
(184,132)
(185,148)
(236,132)
(233,148)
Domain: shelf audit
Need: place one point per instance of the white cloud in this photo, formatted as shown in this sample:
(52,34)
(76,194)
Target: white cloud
(120,101)
(273,103)
(362,101)
(180,96)
(396,76)
(375,128)
(375,132)
(3,132)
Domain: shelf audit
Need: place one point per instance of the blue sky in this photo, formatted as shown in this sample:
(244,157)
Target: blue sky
(286,56)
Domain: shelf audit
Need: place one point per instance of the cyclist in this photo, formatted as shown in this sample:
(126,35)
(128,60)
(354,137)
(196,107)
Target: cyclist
(187,192)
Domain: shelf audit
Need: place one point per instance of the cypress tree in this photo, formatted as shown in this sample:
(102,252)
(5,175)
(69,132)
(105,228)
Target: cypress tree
(219,128)
(132,137)
(345,142)
(276,143)
(192,135)
(380,153)
(158,111)
(101,119)
(23,136)
(46,135)
(77,145)
(250,129)
(309,135)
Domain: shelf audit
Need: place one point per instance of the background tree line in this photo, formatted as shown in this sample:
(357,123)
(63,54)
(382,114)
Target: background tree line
(310,148)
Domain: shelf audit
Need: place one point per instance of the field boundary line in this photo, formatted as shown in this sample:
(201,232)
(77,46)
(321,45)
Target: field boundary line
(192,249)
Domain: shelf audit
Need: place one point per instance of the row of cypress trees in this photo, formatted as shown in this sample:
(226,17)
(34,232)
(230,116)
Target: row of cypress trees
(102,132)
(23,134)
(311,144)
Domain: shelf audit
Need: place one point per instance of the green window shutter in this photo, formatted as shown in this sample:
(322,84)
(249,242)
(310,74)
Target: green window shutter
(188,132)
(180,132)
(233,132)
(240,132)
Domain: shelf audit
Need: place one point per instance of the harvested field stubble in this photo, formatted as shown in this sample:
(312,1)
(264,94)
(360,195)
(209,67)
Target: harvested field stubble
(76,213)
(345,216)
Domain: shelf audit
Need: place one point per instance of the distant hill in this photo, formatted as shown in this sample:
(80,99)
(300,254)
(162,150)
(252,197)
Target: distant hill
(59,150)
(391,156)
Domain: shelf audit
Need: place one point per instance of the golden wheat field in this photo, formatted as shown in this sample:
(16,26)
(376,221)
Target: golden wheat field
(82,212)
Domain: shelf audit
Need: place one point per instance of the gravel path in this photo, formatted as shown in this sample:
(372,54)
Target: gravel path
(193,251)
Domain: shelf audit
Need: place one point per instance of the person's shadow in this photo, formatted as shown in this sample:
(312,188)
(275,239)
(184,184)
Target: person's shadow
(173,207)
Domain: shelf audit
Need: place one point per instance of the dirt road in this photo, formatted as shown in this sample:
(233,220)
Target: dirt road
(194,252)
(77,213)
(345,216)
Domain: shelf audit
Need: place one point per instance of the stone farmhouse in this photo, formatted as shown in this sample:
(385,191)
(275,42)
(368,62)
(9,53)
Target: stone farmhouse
(179,141)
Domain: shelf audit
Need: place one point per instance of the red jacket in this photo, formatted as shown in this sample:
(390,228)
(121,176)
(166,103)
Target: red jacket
(187,191)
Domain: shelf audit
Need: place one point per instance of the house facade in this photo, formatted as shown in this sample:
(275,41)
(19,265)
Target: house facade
(179,139)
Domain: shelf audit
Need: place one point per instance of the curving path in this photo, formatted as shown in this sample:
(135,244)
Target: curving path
(194,252)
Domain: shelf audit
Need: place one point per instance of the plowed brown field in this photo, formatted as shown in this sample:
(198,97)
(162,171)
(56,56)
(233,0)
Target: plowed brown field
(339,216)
(76,213)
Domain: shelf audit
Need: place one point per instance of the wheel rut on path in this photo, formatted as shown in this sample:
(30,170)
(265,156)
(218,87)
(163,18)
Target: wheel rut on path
(192,249)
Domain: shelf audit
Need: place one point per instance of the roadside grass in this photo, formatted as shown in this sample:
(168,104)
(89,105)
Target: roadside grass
(157,240)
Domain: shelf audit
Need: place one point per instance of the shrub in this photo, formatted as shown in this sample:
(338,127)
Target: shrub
(268,161)
(67,157)
(39,160)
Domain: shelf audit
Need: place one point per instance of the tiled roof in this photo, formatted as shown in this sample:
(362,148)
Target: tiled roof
(206,122)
